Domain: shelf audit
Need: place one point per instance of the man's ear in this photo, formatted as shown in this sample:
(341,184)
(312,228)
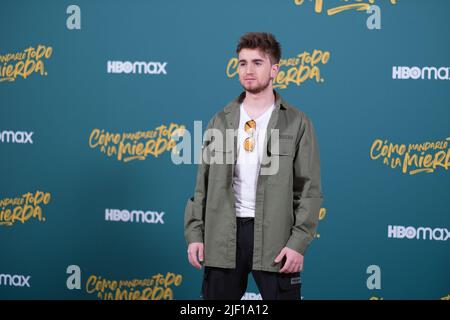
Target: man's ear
(274,70)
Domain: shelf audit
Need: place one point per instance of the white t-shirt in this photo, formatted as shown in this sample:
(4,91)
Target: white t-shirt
(246,172)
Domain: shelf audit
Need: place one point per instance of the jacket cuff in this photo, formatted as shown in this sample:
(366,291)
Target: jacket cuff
(194,237)
(193,230)
(299,244)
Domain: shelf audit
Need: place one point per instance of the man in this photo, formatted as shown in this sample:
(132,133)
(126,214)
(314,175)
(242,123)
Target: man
(241,218)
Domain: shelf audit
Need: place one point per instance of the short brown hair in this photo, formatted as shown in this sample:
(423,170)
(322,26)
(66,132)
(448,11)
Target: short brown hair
(263,41)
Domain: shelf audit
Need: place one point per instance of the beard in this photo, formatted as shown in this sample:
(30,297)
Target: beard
(257,89)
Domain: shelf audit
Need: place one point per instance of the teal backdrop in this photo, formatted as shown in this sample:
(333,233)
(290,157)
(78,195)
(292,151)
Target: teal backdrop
(91,204)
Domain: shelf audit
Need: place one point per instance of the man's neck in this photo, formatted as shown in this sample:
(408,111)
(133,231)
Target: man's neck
(259,101)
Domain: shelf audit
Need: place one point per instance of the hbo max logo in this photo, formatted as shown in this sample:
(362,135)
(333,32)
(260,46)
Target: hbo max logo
(8,136)
(425,73)
(424,233)
(14,280)
(137,216)
(137,67)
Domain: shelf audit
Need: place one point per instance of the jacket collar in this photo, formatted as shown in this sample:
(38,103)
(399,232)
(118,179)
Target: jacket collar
(234,105)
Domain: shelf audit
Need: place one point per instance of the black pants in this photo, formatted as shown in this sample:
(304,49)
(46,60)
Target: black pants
(230,284)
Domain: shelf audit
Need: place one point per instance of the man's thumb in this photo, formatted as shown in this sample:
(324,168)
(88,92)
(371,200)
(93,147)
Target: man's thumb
(200,253)
(280,256)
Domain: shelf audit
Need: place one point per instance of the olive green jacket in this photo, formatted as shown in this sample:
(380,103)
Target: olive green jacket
(287,202)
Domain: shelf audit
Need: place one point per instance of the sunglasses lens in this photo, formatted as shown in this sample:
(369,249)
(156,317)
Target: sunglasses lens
(249,125)
(248,144)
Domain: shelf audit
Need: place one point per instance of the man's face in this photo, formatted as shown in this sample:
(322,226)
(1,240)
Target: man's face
(256,72)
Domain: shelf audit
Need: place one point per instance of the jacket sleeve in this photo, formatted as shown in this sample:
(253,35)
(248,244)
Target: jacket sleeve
(307,188)
(194,213)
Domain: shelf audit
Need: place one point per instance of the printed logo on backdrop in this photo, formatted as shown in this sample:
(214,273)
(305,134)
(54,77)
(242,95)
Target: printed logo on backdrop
(139,145)
(337,6)
(255,296)
(294,70)
(374,280)
(157,287)
(136,216)
(136,67)
(9,136)
(420,233)
(412,158)
(251,296)
(73,21)
(23,64)
(23,208)
(420,73)
(322,214)
(14,280)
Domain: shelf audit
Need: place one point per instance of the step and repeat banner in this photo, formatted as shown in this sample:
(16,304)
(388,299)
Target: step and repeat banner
(92,204)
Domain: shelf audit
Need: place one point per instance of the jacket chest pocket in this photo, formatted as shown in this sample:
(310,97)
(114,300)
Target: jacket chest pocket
(281,157)
(220,164)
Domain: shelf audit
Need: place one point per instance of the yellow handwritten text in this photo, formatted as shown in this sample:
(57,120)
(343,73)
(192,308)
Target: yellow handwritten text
(322,214)
(158,287)
(137,145)
(412,158)
(305,66)
(359,5)
(23,208)
(23,64)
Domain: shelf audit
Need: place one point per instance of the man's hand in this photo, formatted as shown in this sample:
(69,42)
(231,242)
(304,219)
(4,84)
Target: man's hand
(195,249)
(294,260)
